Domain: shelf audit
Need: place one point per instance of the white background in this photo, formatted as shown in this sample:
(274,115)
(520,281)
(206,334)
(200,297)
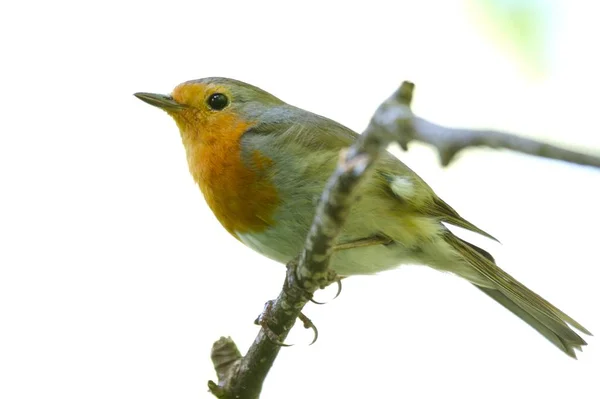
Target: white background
(115,278)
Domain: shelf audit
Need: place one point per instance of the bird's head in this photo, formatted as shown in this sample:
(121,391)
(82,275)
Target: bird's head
(210,108)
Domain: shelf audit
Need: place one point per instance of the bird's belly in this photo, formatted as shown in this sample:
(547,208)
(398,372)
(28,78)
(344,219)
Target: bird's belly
(267,245)
(347,262)
(416,239)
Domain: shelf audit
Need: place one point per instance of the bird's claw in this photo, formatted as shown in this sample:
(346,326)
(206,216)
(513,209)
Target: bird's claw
(309,324)
(338,281)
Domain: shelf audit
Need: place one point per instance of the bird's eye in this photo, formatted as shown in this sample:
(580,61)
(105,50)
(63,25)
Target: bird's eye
(218,101)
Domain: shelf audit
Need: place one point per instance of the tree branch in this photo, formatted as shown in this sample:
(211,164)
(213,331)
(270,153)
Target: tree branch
(450,141)
(242,377)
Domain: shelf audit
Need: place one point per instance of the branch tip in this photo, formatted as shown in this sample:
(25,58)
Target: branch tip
(404,94)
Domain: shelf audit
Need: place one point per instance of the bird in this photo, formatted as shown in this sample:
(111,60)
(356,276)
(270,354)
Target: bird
(262,164)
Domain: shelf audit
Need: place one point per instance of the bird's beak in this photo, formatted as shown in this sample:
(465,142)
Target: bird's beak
(161,101)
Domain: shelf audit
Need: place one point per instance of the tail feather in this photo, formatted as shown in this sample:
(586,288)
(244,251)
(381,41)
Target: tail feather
(544,317)
(557,339)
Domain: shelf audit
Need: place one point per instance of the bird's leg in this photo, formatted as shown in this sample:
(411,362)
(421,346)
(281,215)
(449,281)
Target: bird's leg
(363,242)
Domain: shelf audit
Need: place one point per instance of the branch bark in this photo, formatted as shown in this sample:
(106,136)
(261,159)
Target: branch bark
(450,141)
(242,377)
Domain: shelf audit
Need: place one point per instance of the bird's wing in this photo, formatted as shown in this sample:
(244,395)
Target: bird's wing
(409,188)
(317,133)
(447,214)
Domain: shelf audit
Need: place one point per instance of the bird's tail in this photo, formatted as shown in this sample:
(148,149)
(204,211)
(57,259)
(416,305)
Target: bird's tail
(540,314)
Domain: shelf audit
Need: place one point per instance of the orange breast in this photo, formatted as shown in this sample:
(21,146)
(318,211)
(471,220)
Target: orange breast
(240,196)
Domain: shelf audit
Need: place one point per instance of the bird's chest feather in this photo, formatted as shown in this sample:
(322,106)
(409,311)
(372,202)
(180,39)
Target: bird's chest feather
(236,188)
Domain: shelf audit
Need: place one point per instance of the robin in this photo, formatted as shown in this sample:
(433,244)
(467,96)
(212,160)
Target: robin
(262,164)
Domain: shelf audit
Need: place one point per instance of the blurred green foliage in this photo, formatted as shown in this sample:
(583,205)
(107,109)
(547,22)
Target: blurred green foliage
(520,28)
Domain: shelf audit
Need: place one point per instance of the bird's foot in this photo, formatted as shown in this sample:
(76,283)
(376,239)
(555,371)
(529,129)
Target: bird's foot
(264,319)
